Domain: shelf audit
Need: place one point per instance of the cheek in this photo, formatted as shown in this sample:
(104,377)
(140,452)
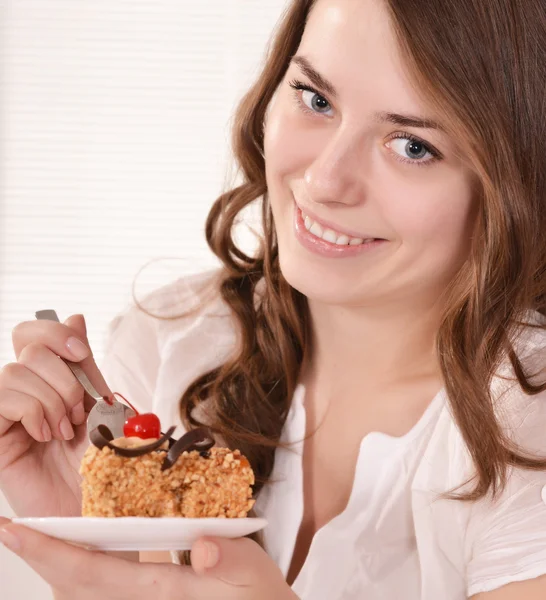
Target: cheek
(436,219)
(287,151)
(279,144)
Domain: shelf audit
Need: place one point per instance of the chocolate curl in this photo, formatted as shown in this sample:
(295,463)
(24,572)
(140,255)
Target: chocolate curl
(101,436)
(197,439)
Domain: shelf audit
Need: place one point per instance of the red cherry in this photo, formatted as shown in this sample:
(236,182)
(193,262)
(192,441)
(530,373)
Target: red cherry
(144,426)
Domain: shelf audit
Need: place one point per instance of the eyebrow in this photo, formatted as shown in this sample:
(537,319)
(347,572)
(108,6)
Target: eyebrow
(407,121)
(318,80)
(381,117)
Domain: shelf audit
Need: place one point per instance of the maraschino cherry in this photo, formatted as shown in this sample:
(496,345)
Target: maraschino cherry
(145,426)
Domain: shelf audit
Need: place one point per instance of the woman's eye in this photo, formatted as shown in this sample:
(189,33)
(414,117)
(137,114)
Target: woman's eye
(309,99)
(411,149)
(315,102)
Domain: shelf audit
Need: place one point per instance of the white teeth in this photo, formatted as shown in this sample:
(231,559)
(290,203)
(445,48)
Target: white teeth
(329,235)
(316,229)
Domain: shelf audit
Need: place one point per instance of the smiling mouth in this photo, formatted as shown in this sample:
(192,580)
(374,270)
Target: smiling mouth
(331,235)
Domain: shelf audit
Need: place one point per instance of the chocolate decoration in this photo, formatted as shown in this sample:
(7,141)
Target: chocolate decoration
(101,436)
(171,441)
(197,439)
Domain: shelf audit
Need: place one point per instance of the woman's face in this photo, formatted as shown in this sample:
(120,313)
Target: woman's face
(369,199)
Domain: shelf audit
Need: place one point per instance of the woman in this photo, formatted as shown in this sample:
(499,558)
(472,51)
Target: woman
(389,328)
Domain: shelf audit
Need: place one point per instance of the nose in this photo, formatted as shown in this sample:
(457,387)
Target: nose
(336,175)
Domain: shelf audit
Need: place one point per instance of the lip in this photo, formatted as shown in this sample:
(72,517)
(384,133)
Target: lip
(332,226)
(327,249)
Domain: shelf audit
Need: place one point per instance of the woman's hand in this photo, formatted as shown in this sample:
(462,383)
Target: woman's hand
(221,569)
(43,418)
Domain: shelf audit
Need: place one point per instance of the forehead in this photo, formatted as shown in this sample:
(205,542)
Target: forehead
(352,44)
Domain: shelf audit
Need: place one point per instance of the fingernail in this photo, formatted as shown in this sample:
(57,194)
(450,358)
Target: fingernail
(78,349)
(9,539)
(213,555)
(46,432)
(66,429)
(77,416)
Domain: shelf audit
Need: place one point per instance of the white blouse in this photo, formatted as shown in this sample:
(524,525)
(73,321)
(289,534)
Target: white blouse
(395,539)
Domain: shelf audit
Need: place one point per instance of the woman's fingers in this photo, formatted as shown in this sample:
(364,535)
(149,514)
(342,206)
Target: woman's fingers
(40,390)
(69,341)
(18,381)
(59,338)
(18,407)
(65,566)
(41,361)
(79,573)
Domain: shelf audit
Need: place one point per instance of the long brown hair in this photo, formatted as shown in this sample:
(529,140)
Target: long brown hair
(481,64)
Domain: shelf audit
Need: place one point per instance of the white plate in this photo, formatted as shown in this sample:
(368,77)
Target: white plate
(139,533)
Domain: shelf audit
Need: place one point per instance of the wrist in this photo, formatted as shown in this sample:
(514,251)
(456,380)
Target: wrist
(132,556)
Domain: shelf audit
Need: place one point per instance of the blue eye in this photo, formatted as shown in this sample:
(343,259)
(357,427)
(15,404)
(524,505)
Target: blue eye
(315,102)
(411,149)
(309,99)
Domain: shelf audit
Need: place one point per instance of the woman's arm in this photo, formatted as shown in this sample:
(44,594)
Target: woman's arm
(532,589)
(155,557)
(221,568)
(133,556)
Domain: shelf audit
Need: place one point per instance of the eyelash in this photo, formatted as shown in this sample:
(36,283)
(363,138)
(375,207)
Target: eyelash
(299,86)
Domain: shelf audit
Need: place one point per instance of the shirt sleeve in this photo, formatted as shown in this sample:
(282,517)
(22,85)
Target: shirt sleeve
(508,537)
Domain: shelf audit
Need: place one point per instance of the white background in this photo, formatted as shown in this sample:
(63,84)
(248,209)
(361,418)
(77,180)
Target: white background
(115,122)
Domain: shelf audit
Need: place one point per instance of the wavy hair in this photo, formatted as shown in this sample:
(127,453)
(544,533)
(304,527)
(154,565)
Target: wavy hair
(482,66)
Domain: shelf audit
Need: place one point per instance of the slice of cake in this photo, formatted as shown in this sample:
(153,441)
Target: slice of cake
(161,477)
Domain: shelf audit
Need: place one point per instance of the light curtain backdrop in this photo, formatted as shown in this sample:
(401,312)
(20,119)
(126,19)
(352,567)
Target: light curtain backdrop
(114,129)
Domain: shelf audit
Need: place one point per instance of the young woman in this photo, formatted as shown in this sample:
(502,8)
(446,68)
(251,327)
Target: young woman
(379,360)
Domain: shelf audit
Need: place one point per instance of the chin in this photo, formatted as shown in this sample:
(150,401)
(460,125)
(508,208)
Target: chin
(321,283)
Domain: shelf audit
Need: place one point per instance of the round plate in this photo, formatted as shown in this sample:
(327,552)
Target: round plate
(139,533)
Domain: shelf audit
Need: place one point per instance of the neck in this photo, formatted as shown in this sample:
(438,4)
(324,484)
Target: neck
(380,346)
